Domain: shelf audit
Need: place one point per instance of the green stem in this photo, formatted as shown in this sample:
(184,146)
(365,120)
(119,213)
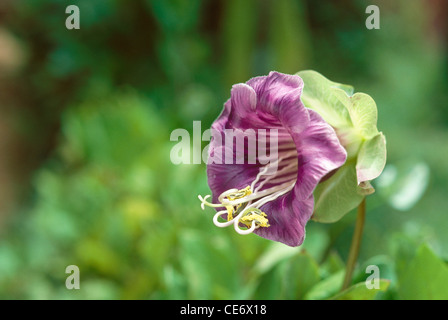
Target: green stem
(356,244)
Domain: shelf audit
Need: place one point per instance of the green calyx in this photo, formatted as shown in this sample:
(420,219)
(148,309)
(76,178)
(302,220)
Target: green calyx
(354,118)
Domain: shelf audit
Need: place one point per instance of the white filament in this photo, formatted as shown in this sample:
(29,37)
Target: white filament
(262,197)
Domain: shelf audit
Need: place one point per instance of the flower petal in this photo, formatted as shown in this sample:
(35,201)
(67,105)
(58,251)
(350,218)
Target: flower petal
(273,102)
(245,98)
(279,96)
(319,152)
(287,219)
(222,177)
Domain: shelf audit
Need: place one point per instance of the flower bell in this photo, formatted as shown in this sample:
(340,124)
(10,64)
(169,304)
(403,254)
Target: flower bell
(273,200)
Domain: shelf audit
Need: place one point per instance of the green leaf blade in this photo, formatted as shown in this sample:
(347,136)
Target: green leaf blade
(318,95)
(337,196)
(424,278)
(364,114)
(360,291)
(371,159)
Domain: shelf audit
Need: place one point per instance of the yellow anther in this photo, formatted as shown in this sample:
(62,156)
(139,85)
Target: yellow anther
(257,215)
(229,213)
(240,208)
(240,194)
(234,196)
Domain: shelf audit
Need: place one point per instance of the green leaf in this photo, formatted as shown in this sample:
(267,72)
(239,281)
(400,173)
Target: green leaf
(302,274)
(206,263)
(362,111)
(354,118)
(333,263)
(425,278)
(360,291)
(371,158)
(284,273)
(271,284)
(338,106)
(336,196)
(316,241)
(275,253)
(364,114)
(319,95)
(385,263)
(327,287)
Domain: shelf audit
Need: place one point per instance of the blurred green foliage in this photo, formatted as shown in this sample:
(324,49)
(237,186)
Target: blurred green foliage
(108,199)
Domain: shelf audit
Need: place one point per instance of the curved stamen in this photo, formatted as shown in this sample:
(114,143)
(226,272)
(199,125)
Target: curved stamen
(228,193)
(254,196)
(253,216)
(221,224)
(209,204)
(245,231)
(243,205)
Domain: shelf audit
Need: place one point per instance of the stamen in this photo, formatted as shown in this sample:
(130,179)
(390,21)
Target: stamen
(262,172)
(255,215)
(221,224)
(260,194)
(274,196)
(226,193)
(209,204)
(247,231)
(243,205)
(282,171)
(272,164)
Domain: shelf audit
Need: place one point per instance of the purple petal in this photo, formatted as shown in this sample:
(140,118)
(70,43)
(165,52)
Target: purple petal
(320,152)
(245,98)
(271,102)
(222,177)
(279,95)
(287,218)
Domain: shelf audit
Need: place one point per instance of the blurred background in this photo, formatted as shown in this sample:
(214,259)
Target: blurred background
(86,116)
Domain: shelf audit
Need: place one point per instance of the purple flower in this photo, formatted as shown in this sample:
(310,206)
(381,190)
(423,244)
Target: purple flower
(272,199)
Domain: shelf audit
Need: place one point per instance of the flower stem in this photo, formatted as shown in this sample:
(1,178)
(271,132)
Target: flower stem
(356,244)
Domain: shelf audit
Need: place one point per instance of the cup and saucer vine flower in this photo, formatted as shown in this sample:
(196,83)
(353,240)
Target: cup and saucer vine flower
(276,199)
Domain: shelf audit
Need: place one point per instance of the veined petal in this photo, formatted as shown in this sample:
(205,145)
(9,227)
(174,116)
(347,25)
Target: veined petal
(288,218)
(320,152)
(308,149)
(220,123)
(222,177)
(279,96)
(245,98)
